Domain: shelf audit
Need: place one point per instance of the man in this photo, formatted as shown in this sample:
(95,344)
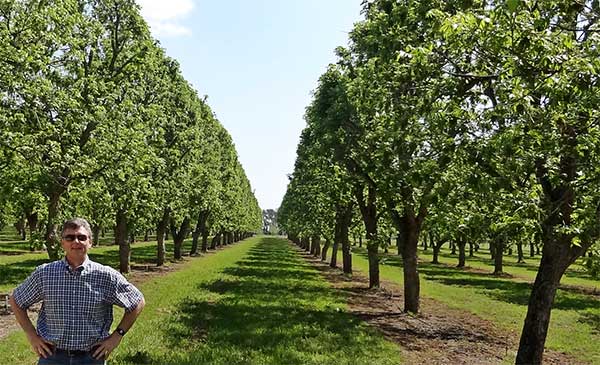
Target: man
(77,296)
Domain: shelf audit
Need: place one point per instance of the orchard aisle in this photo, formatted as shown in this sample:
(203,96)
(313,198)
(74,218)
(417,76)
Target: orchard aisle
(256,302)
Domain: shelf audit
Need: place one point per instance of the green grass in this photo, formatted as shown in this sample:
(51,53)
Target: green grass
(256,302)
(575,323)
(575,275)
(15,268)
(12,244)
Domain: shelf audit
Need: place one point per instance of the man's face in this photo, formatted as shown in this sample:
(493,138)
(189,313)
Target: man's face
(76,243)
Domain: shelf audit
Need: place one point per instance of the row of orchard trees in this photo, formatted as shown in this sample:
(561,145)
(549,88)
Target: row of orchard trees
(96,121)
(474,120)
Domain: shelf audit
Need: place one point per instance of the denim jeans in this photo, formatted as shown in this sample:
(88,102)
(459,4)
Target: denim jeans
(64,359)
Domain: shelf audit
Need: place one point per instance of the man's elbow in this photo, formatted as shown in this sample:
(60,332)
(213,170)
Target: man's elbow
(13,304)
(138,309)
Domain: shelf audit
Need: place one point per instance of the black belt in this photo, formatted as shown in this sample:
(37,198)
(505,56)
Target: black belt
(74,352)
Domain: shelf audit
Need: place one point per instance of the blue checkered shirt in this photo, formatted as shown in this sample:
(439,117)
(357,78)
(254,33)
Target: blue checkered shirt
(77,303)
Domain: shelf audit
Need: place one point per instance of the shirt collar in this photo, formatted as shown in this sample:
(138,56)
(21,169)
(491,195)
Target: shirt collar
(84,266)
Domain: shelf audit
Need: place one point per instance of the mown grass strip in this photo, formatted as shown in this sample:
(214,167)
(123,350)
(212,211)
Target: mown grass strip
(574,327)
(256,302)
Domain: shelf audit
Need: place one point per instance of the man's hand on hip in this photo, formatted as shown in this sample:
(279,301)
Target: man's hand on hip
(107,346)
(40,346)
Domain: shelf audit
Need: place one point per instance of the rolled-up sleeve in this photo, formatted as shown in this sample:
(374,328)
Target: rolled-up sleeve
(30,291)
(124,294)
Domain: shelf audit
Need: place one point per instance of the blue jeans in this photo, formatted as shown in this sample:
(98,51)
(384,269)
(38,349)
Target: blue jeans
(65,359)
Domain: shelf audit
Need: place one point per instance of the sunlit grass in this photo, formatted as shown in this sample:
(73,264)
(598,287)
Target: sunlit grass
(255,302)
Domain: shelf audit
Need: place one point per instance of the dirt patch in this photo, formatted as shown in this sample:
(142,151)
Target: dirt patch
(439,335)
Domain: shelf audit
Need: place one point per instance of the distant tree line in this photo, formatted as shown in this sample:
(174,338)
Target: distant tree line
(463,122)
(270,221)
(96,121)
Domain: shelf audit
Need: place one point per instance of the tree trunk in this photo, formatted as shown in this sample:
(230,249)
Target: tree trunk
(368,212)
(558,251)
(204,247)
(216,238)
(121,238)
(498,256)
(32,223)
(20,227)
(195,239)
(461,243)
(471,249)
(373,257)
(315,249)
(452,247)
(360,240)
(51,238)
(520,258)
(436,250)
(336,244)
(96,234)
(161,228)
(325,249)
(556,258)
(179,236)
(200,228)
(346,249)
(436,254)
(411,226)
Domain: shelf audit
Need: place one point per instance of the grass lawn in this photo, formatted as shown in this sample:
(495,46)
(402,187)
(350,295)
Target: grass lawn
(15,268)
(575,323)
(256,302)
(575,275)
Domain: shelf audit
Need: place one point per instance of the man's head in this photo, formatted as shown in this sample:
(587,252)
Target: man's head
(76,239)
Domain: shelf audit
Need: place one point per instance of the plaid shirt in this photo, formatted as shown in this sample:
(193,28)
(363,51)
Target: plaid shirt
(76,303)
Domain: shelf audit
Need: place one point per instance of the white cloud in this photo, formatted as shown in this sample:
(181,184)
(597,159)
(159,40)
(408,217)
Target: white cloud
(164,16)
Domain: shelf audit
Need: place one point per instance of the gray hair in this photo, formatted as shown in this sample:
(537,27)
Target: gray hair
(75,223)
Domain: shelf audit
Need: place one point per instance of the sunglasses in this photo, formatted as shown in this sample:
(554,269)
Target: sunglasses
(72,237)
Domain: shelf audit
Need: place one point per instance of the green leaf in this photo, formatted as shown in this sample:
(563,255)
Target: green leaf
(513,5)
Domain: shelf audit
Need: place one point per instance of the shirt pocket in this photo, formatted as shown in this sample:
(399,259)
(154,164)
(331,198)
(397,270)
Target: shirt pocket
(93,303)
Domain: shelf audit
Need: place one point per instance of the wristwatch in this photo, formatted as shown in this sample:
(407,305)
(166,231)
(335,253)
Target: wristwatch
(120,331)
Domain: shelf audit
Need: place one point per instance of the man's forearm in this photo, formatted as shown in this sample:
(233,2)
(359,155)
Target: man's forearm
(22,318)
(39,345)
(107,346)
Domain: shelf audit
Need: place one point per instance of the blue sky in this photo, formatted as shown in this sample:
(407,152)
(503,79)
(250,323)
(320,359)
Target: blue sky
(257,60)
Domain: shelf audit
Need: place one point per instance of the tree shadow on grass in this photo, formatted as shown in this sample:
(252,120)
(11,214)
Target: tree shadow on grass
(143,255)
(592,319)
(509,291)
(512,291)
(265,312)
(14,273)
